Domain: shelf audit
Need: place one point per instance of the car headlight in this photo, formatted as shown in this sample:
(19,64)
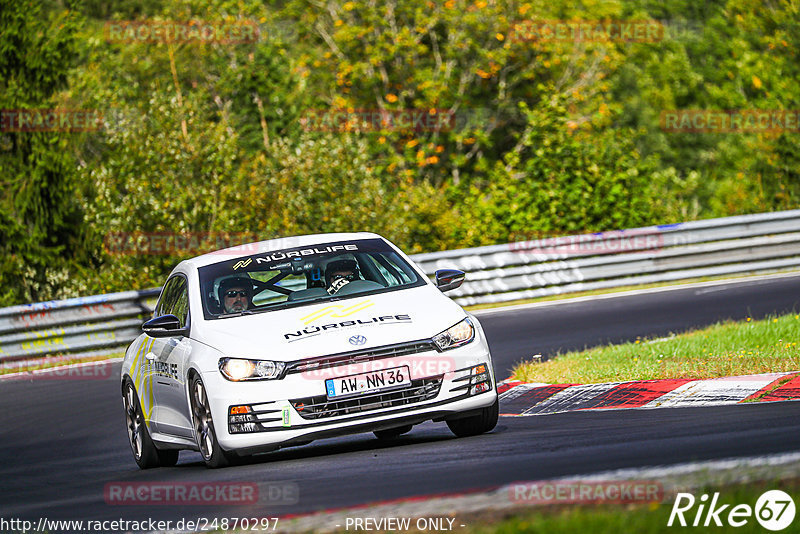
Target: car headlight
(455,336)
(238,369)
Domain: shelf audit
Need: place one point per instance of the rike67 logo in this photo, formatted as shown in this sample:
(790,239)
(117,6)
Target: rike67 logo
(774,510)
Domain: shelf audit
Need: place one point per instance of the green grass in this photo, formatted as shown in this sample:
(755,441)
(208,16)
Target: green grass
(725,349)
(639,519)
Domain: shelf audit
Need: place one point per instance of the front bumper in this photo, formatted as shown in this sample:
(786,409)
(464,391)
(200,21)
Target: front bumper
(295,409)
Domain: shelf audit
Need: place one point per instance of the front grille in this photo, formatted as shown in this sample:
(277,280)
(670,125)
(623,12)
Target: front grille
(359,356)
(319,407)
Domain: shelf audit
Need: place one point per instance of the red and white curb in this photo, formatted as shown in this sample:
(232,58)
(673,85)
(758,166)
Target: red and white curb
(518,398)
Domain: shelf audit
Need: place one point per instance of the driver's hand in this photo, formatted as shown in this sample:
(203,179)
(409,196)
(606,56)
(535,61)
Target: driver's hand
(337,284)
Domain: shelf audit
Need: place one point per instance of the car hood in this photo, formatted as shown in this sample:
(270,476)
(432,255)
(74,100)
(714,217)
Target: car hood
(333,327)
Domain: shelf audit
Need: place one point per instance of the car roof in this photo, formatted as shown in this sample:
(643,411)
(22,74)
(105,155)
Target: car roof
(271,245)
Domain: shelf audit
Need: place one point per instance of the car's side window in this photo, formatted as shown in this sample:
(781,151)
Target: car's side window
(166,301)
(181,307)
(174,299)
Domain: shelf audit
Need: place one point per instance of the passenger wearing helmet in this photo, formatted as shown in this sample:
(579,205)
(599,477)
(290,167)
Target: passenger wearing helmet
(235,294)
(339,273)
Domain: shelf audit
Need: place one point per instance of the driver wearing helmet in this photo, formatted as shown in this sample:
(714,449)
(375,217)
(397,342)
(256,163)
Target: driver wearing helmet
(339,273)
(235,294)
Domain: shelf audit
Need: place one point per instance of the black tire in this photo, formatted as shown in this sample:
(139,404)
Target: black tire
(392,433)
(168,457)
(477,424)
(144,450)
(213,455)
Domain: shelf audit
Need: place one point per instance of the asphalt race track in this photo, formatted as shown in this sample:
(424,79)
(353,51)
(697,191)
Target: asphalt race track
(63,441)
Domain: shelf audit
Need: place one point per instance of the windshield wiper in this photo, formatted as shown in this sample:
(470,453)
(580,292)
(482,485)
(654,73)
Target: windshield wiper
(235,314)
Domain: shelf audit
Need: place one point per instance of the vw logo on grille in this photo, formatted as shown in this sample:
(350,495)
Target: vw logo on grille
(357,340)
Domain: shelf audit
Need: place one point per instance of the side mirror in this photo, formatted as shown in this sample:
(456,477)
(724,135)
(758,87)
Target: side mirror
(447,279)
(164,326)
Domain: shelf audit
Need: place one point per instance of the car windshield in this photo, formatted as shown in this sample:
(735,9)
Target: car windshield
(302,275)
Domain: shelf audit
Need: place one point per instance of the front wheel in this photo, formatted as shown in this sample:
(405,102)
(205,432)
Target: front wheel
(477,424)
(144,450)
(213,454)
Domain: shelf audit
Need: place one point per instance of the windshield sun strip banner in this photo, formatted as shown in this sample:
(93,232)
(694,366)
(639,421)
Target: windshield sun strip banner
(291,258)
(282,258)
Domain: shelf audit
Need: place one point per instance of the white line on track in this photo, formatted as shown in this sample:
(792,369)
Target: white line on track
(661,471)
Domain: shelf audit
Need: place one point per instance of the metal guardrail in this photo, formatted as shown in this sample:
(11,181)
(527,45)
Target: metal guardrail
(73,325)
(497,273)
(733,245)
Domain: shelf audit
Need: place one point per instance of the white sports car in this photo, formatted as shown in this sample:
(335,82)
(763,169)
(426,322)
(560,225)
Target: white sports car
(300,339)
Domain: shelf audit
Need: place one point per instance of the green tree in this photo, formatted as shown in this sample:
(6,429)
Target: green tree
(562,178)
(41,228)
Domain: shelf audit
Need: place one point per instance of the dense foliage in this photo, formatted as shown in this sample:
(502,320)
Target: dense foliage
(540,137)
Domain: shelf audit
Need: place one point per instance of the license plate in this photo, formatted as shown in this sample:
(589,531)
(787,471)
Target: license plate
(368,382)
